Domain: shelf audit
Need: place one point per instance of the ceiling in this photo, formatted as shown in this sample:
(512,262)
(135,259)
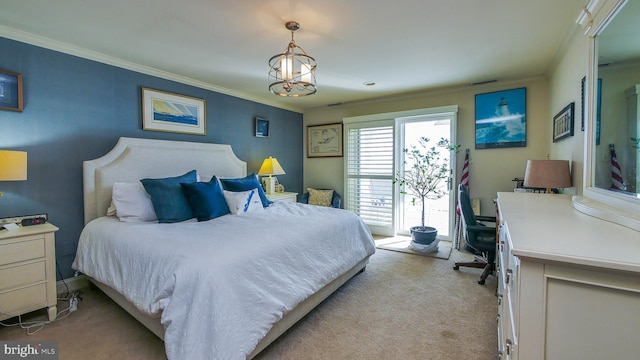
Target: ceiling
(404,46)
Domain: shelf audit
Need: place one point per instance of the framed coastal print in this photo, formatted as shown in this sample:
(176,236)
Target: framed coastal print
(324,140)
(501,119)
(262,127)
(164,111)
(11,91)
(563,123)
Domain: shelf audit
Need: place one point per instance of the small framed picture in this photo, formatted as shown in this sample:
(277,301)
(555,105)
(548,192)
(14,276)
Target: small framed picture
(262,127)
(563,123)
(11,91)
(164,111)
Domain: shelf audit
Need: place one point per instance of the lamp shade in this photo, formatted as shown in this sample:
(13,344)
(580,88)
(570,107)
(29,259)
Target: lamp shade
(549,174)
(271,166)
(13,165)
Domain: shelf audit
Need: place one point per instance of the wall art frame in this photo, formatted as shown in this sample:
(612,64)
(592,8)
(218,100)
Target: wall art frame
(169,112)
(598,102)
(563,123)
(11,98)
(325,140)
(262,127)
(501,119)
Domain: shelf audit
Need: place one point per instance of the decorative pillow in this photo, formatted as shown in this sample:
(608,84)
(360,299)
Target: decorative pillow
(245,184)
(168,198)
(132,203)
(320,197)
(206,199)
(243,201)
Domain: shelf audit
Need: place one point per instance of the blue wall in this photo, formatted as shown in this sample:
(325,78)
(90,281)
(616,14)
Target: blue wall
(76,109)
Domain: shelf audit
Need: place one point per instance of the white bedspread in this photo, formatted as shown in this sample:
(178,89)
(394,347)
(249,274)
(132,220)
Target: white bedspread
(220,285)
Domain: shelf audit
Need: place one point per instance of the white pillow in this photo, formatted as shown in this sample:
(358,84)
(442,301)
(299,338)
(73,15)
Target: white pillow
(243,201)
(132,203)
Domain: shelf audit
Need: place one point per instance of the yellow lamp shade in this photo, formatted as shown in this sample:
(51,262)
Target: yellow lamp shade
(271,166)
(13,165)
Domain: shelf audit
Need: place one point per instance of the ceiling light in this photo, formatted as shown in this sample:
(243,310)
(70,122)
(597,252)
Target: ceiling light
(292,73)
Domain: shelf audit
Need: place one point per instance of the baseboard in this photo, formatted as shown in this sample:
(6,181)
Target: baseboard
(74,284)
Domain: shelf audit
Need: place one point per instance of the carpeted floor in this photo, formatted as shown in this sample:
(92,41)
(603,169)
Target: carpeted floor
(401,307)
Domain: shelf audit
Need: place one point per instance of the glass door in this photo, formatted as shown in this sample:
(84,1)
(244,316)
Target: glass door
(437,211)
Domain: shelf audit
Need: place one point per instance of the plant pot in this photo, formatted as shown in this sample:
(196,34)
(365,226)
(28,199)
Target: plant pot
(423,235)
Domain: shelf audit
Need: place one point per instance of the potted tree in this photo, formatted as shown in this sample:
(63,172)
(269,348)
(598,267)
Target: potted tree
(425,176)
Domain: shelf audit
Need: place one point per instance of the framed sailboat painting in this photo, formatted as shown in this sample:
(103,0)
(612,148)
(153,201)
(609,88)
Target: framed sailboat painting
(164,111)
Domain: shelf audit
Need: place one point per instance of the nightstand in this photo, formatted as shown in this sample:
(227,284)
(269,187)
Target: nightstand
(283,196)
(28,270)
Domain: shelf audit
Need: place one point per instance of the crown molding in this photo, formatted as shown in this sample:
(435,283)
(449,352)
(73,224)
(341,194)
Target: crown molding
(69,49)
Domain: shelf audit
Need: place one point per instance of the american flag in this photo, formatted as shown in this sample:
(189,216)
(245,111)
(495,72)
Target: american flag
(464,179)
(616,174)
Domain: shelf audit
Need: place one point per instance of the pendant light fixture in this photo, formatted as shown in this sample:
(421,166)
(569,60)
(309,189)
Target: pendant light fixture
(292,73)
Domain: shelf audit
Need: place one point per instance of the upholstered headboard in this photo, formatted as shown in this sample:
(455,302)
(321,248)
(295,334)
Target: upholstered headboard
(133,159)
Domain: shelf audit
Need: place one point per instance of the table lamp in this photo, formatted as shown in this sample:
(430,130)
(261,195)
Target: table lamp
(548,174)
(13,165)
(270,166)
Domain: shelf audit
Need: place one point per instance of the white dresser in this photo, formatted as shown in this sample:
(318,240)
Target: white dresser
(568,283)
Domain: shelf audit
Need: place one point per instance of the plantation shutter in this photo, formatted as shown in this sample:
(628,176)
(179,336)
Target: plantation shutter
(369,173)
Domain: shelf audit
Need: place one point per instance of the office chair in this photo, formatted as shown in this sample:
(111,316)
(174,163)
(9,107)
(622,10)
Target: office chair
(479,238)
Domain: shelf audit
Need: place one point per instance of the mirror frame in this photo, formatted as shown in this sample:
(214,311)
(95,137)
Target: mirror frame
(623,209)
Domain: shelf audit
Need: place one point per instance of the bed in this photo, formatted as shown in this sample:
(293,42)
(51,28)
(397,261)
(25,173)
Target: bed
(224,288)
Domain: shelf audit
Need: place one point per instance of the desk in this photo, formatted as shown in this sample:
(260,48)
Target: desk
(568,283)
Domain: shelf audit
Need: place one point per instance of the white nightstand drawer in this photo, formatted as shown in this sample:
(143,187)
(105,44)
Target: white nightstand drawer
(22,275)
(32,297)
(23,250)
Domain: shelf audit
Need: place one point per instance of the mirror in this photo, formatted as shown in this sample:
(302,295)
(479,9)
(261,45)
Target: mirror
(611,113)
(617,134)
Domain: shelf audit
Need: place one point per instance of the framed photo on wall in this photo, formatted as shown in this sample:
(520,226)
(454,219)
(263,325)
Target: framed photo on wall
(501,119)
(164,111)
(563,123)
(324,140)
(262,127)
(11,91)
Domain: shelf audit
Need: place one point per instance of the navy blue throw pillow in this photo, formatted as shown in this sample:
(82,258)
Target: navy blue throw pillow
(168,198)
(206,199)
(245,184)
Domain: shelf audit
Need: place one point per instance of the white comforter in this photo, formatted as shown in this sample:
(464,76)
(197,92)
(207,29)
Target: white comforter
(220,285)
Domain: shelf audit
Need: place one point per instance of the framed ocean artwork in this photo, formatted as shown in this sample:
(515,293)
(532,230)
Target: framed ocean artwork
(164,111)
(501,119)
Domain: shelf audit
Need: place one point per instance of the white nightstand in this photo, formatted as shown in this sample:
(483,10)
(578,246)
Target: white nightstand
(283,196)
(28,270)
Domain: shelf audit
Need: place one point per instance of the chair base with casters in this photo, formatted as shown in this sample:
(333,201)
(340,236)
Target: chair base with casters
(478,263)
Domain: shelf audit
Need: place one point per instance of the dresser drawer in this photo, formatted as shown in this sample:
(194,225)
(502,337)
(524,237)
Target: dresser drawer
(23,300)
(32,248)
(13,276)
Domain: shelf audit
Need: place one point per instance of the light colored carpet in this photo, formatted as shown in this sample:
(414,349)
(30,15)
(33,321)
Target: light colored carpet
(401,244)
(401,307)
